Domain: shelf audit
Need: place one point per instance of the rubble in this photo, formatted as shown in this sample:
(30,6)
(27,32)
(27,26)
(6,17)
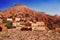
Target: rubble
(16,34)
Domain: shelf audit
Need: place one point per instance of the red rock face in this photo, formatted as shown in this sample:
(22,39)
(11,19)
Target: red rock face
(4,29)
(21,10)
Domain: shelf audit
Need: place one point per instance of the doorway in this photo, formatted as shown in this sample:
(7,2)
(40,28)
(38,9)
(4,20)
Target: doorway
(0,29)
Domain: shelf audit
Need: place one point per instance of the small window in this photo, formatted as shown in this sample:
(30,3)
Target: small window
(21,20)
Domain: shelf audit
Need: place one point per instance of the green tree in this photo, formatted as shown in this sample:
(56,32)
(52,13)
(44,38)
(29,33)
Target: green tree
(8,25)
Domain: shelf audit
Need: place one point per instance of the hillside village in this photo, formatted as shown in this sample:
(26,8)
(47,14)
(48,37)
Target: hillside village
(26,19)
(23,22)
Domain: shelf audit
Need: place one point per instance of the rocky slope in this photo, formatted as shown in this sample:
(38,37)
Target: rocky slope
(15,34)
(20,10)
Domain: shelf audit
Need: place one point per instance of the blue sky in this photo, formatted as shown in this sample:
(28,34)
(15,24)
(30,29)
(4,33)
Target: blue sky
(48,6)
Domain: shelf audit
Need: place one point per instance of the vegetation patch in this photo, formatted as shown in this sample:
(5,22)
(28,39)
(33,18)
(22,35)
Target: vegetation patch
(8,25)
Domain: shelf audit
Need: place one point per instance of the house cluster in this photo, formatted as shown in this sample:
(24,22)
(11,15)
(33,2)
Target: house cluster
(24,23)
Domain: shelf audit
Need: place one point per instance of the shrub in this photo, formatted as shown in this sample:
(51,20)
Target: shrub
(53,32)
(8,25)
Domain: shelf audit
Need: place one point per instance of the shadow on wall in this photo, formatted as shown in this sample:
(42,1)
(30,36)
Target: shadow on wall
(0,29)
(26,29)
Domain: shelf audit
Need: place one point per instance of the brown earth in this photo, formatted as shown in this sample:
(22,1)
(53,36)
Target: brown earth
(16,34)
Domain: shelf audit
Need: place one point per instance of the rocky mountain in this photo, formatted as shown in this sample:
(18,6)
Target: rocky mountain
(20,10)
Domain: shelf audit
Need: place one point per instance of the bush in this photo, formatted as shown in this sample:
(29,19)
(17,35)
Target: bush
(53,32)
(8,25)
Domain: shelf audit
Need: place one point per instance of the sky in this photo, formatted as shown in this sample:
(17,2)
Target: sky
(47,6)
